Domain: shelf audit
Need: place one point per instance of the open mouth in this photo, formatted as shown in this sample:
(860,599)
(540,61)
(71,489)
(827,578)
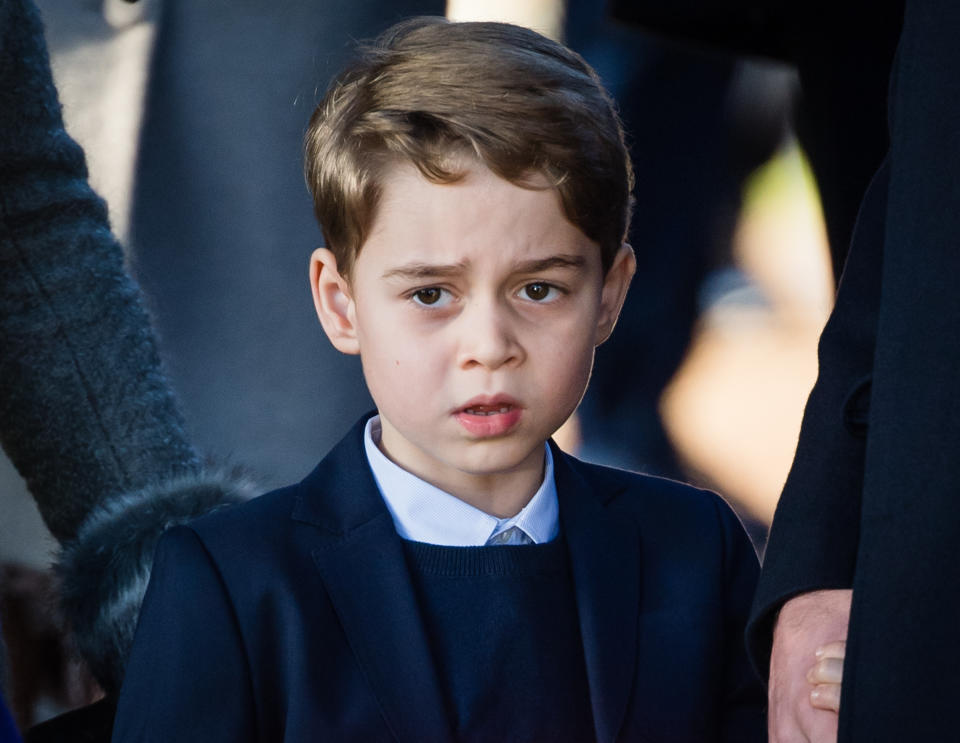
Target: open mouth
(486,417)
(487,409)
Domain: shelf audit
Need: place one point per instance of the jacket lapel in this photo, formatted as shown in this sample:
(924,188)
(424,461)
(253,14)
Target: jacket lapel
(605,562)
(361,561)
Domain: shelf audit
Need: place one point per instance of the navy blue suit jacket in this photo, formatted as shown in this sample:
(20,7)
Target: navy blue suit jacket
(292,617)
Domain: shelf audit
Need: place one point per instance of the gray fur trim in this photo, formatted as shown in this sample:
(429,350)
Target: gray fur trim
(104,571)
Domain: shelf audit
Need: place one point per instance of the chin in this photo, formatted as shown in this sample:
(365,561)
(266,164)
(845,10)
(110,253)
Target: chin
(502,459)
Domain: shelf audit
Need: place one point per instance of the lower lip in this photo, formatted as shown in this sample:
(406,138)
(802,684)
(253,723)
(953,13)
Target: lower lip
(489,425)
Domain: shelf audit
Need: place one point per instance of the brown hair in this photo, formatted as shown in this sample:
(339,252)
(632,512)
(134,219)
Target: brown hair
(428,89)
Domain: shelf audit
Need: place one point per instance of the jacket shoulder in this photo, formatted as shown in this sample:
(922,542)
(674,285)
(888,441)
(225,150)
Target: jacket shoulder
(646,494)
(263,521)
(678,522)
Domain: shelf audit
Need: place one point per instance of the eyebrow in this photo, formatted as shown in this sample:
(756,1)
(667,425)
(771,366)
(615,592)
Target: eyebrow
(424,271)
(431,270)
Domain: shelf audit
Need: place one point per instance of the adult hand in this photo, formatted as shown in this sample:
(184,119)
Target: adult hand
(806,623)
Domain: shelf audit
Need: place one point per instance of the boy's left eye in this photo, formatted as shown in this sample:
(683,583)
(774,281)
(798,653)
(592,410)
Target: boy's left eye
(539,291)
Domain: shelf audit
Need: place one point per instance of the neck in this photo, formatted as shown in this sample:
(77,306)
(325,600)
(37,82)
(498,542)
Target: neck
(502,494)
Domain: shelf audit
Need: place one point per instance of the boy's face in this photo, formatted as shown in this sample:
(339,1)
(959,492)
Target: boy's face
(475,308)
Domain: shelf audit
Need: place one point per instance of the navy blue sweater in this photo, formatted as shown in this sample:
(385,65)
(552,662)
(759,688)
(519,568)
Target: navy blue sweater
(503,629)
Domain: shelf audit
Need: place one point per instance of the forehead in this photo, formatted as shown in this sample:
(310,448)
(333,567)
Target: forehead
(480,218)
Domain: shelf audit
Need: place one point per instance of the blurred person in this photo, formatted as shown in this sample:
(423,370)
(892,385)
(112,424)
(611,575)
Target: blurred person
(843,67)
(42,668)
(695,143)
(474,191)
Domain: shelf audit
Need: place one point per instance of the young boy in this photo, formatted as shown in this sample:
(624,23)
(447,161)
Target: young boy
(446,573)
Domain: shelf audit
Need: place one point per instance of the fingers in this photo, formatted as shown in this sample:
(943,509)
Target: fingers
(826,696)
(826,671)
(829,666)
(832,650)
(827,676)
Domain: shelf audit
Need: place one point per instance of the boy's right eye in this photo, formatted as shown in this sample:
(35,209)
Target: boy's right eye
(431,296)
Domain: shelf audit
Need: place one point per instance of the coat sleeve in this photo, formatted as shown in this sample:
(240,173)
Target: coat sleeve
(188,676)
(86,414)
(85,409)
(814,538)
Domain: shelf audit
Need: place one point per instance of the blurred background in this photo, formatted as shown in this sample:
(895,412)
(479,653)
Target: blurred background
(191,114)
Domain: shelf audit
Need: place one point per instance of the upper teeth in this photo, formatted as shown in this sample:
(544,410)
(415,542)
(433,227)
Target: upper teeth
(476,411)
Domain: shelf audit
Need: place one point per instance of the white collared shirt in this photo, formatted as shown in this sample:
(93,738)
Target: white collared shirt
(424,513)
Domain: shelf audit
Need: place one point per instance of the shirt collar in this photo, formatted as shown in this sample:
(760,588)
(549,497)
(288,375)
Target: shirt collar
(424,513)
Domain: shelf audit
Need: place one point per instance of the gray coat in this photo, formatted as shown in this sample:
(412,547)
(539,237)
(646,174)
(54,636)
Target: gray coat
(86,414)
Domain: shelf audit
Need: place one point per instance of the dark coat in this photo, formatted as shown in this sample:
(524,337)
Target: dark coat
(293,617)
(871,501)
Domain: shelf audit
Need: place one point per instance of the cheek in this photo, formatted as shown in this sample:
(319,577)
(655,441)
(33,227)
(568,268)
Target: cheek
(576,376)
(402,372)
(565,359)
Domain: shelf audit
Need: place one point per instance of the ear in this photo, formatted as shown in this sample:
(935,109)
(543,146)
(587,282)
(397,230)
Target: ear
(614,291)
(333,301)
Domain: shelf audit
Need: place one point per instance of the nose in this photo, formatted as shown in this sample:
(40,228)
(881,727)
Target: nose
(488,336)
